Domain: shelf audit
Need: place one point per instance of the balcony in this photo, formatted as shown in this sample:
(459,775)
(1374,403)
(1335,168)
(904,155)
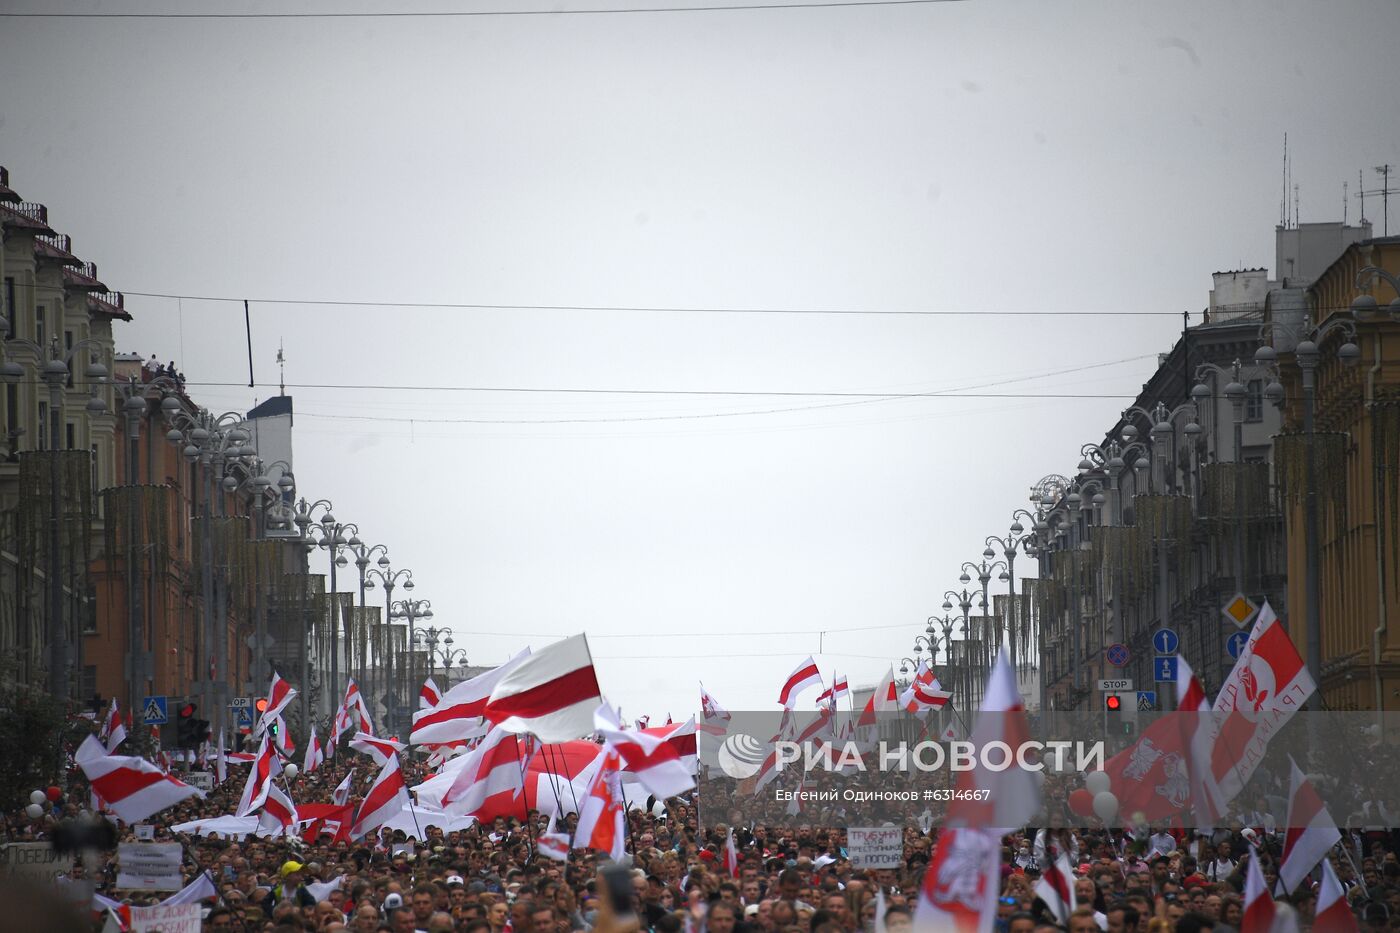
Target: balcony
(55,246)
(112,304)
(6,194)
(83,275)
(33,211)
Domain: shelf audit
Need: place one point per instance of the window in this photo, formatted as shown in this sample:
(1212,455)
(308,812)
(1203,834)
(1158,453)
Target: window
(43,426)
(95,479)
(1254,400)
(9,299)
(40,328)
(89,682)
(70,435)
(68,355)
(90,616)
(12,425)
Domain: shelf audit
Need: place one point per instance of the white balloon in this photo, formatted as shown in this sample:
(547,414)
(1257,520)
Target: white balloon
(1096,782)
(1105,805)
(34,810)
(291,772)
(38,797)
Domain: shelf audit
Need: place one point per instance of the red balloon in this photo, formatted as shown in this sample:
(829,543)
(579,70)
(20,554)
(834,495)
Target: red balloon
(1082,802)
(53,793)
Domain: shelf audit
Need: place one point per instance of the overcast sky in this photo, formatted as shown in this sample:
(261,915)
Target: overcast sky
(979,157)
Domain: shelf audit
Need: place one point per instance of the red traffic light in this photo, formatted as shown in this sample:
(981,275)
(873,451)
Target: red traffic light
(187,711)
(1113,702)
(262,704)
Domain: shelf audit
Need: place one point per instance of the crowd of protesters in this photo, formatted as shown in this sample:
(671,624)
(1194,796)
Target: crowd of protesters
(793,876)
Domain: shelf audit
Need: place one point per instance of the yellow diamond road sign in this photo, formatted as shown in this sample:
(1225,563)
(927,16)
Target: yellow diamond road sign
(1240,610)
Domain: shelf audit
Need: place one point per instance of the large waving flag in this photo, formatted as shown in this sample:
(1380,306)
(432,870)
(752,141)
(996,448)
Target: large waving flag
(960,889)
(279,694)
(653,761)
(457,716)
(601,820)
(386,798)
(681,737)
(1268,684)
(341,794)
(885,699)
(279,814)
(132,788)
(1310,832)
(429,694)
(315,757)
(1259,912)
(924,691)
(805,675)
(1013,795)
(1333,914)
(486,782)
(381,750)
(551,694)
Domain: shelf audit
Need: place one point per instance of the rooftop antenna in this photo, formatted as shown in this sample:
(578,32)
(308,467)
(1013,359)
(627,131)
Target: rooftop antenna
(1361,193)
(1283,201)
(281,369)
(1295,205)
(1344,204)
(1385,191)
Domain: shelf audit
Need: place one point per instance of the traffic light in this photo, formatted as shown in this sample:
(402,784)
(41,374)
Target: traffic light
(1112,702)
(262,705)
(190,730)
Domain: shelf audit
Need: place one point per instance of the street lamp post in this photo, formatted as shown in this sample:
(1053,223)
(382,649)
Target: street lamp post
(446,654)
(1016,540)
(1307,354)
(305,518)
(964,601)
(389,579)
(362,559)
(411,610)
(333,539)
(55,373)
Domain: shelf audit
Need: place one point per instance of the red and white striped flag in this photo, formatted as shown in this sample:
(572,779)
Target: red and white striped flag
(805,675)
(1012,796)
(381,750)
(1259,912)
(279,694)
(279,814)
(341,794)
(961,885)
(731,855)
(924,691)
(682,739)
(1269,683)
(486,782)
(428,694)
(551,694)
(601,820)
(386,798)
(266,766)
(285,745)
(113,732)
(1310,832)
(1333,914)
(554,846)
(220,762)
(132,788)
(356,710)
(315,757)
(885,699)
(457,716)
(1056,889)
(653,761)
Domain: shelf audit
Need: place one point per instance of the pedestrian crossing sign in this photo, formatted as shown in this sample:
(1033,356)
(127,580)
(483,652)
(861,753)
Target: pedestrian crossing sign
(155,712)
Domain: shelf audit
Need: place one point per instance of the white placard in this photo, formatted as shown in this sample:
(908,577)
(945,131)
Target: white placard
(149,866)
(1115,684)
(200,779)
(174,918)
(145,832)
(875,846)
(32,861)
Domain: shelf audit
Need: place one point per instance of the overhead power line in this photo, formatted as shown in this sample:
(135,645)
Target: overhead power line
(451,14)
(662,309)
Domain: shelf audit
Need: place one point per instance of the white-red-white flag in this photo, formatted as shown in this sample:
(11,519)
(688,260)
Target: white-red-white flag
(1011,796)
(279,694)
(220,761)
(731,855)
(1259,913)
(1056,889)
(381,750)
(386,798)
(601,820)
(266,766)
(962,883)
(653,761)
(553,846)
(884,699)
(341,795)
(1333,914)
(803,676)
(279,814)
(1269,683)
(551,694)
(131,787)
(285,745)
(356,709)
(315,756)
(113,730)
(1309,834)
(924,691)
(682,738)
(487,781)
(428,694)
(457,716)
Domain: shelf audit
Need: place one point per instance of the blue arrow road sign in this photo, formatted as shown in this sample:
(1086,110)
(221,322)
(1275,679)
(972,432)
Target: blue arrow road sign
(1165,641)
(1147,700)
(155,712)
(1164,668)
(1235,644)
